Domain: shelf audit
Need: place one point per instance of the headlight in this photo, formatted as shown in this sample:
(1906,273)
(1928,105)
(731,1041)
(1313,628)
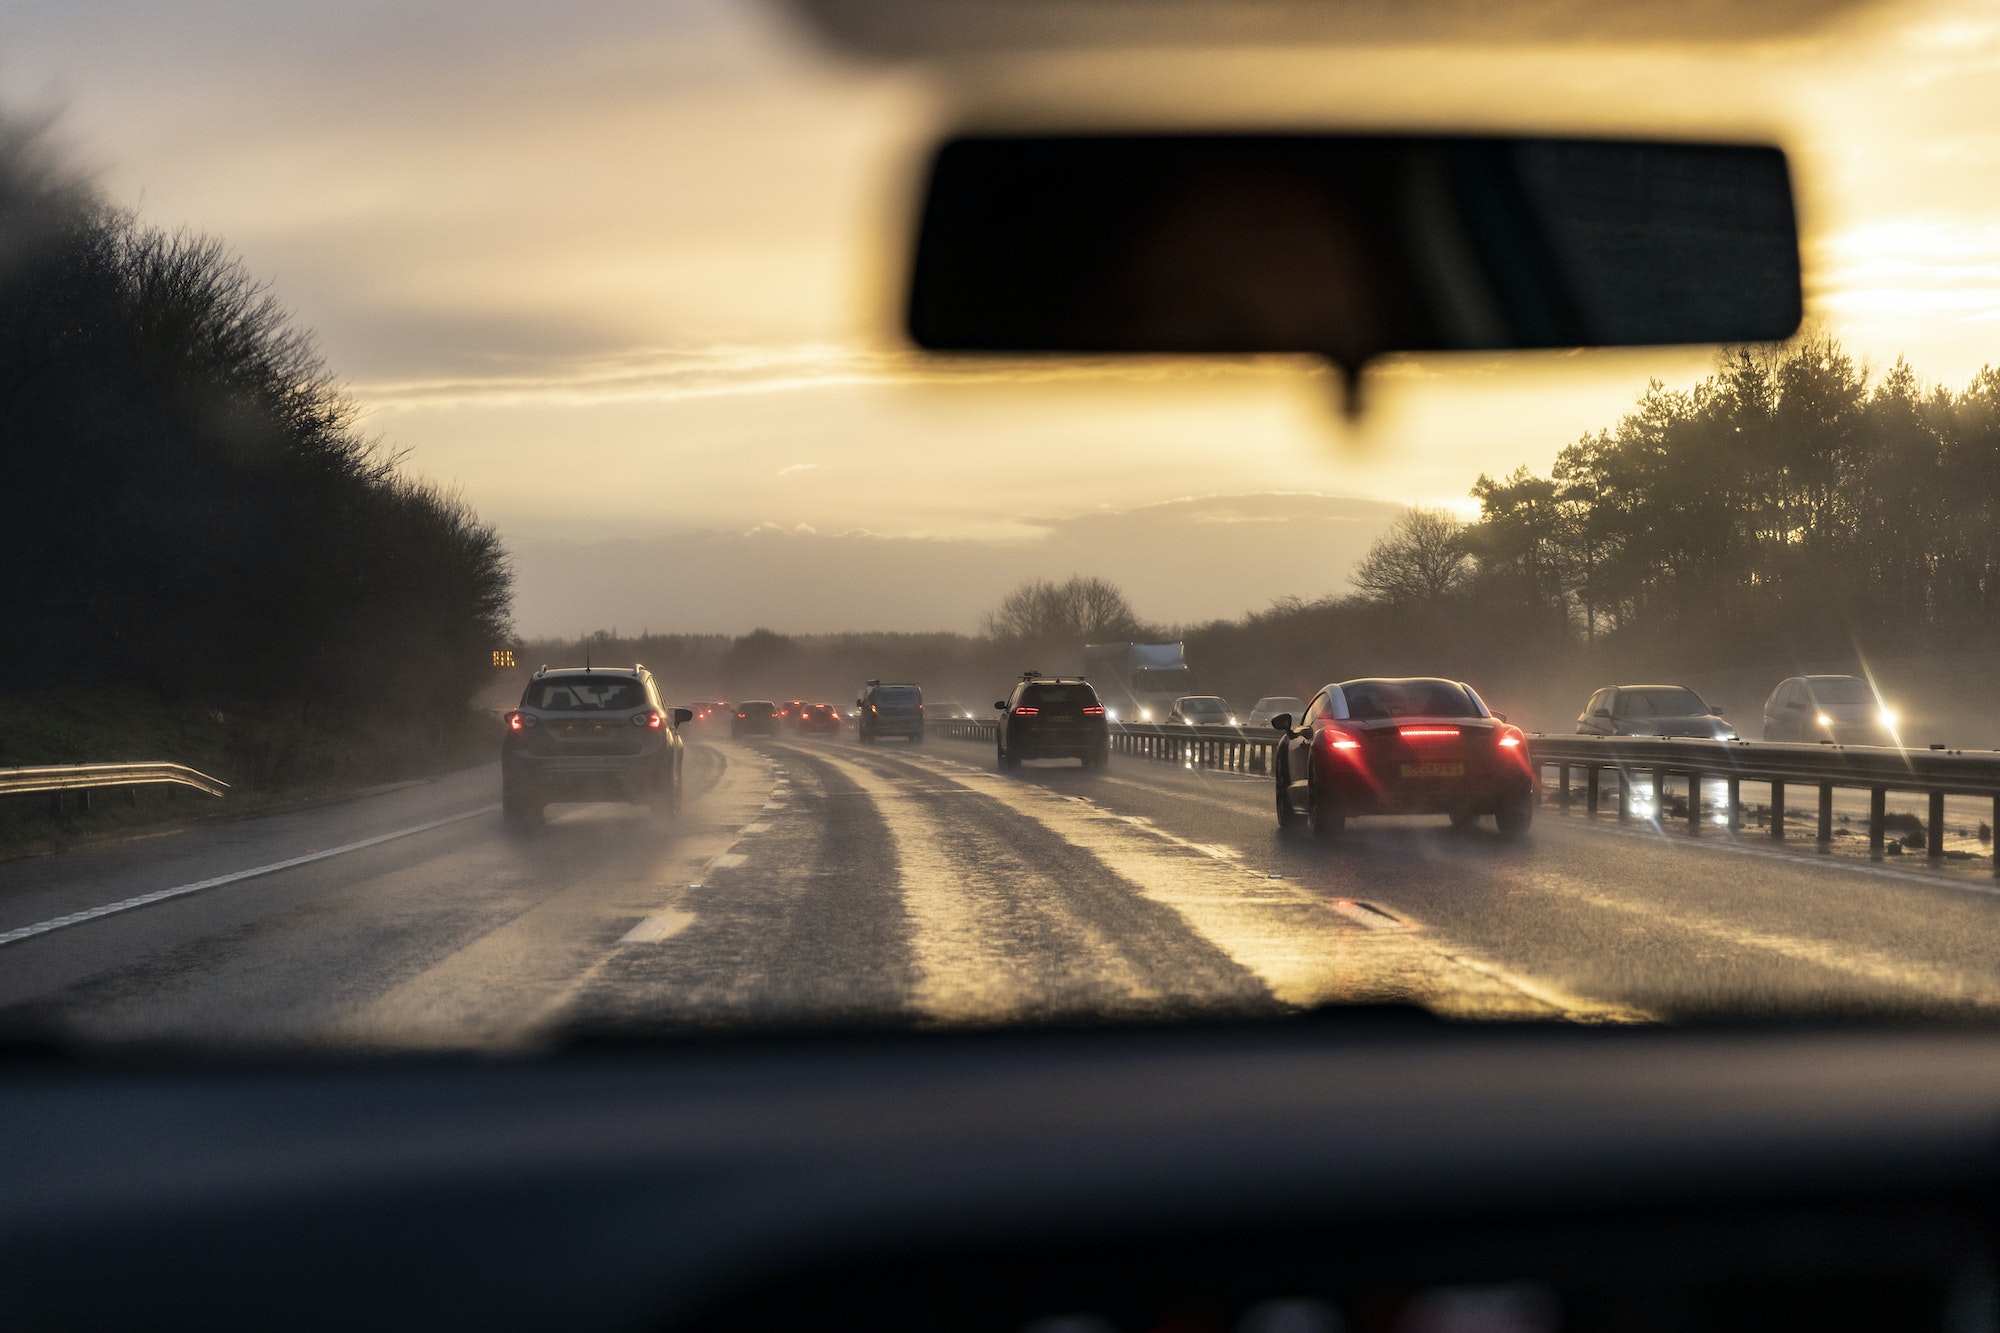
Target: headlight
(1825,721)
(1888,717)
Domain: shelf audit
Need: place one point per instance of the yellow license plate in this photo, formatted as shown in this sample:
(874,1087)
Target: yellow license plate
(1433,770)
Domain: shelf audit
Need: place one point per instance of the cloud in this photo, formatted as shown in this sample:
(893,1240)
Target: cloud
(801,467)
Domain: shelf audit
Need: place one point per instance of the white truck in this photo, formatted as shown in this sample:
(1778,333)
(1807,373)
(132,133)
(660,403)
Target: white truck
(1139,682)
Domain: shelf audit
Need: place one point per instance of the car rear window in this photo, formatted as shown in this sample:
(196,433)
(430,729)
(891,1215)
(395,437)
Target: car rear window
(1660,703)
(1407,698)
(757,708)
(584,694)
(898,694)
(1059,696)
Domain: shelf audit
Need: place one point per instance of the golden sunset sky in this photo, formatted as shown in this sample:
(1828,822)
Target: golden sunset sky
(626,270)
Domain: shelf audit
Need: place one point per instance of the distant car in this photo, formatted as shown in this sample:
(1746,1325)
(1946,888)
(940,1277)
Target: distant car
(822,718)
(1842,709)
(889,709)
(1053,717)
(945,710)
(1652,710)
(1401,747)
(1271,705)
(1201,710)
(589,734)
(793,710)
(754,717)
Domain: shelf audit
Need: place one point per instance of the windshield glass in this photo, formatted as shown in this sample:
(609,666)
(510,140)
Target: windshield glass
(1660,703)
(1840,690)
(358,364)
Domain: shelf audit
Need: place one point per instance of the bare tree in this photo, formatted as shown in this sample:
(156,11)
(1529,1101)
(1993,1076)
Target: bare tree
(1421,558)
(1075,611)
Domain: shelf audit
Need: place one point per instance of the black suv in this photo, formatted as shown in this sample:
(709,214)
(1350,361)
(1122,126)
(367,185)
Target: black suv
(889,709)
(590,734)
(1053,717)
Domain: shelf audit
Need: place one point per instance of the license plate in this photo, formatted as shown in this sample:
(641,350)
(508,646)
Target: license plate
(1433,770)
(584,729)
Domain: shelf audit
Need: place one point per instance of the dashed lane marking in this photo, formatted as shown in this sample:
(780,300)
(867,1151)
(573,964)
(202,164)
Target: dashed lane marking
(659,927)
(182,890)
(761,826)
(729,860)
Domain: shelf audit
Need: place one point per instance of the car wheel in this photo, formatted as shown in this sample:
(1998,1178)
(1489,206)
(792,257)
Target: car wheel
(1464,818)
(1098,758)
(1323,813)
(518,815)
(1516,814)
(1287,817)
(1007,760)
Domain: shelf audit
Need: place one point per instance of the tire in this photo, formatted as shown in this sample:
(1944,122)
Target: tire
(1323,813)
(1098,758)
(666,796)
(1515,815)
(1007,761)
(865,736)
(520,816)
(917,736)
(1464,819)
(1288,818)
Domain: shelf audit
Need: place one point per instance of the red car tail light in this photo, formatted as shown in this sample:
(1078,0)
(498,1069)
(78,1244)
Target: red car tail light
(1027,712)
(1093,711)
(1512,738)
(1333,738)
(652,720)
(519,721)
(1427,733)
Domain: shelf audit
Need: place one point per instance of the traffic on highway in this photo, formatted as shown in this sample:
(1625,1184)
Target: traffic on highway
(1062,666)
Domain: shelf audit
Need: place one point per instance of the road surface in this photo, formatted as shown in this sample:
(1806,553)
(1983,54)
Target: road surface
(818,881)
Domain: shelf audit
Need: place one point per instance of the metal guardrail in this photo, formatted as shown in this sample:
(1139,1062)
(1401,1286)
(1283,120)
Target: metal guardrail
(1877,769)
(56,779)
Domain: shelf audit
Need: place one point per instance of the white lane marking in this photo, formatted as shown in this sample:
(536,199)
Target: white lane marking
(658,927)
(1374,918)
(759,827)
(182,890)
(774,805)
(729,860)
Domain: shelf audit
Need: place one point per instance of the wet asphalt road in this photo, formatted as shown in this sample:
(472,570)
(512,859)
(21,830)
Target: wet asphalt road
(820,881)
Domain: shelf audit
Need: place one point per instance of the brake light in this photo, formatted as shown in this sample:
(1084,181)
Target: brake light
(1335,739)
(652,720)
(1511,738)
(519,721)
(742,715)
(1093,711)
(1027,712)
(1427,733)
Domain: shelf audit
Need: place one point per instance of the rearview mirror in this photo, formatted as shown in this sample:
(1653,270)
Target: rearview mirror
(1350,246)
(1000,704)
(1282,722)
(683,715)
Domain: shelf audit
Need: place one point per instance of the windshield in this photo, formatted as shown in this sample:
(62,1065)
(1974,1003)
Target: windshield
(1660,703)
(383,389)
(1840,690)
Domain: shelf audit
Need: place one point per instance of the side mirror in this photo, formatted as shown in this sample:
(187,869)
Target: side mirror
(1281,722)
(1604,713)
(683,715)
(1000,704)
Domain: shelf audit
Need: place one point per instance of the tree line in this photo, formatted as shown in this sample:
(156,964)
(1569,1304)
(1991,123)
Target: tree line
(193,507)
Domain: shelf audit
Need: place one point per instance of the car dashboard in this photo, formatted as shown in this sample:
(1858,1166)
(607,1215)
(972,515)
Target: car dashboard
(1361,1171)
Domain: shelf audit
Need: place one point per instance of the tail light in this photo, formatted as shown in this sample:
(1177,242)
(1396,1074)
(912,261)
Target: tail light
(1512,738)
(649,719)
(1027,712)
(1333,738)
(519,721)
(1427,733)
(1093,711)
(743,715)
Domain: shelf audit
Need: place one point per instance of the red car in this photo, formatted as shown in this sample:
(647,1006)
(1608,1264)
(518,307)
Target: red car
(1401,747)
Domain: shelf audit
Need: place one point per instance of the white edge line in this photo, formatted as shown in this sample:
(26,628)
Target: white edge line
(181,890)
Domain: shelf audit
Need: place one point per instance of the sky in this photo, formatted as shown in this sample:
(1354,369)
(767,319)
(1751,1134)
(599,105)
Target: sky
(624,273)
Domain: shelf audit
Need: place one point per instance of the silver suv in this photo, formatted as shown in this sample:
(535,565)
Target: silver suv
(590,734)
(889,708)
